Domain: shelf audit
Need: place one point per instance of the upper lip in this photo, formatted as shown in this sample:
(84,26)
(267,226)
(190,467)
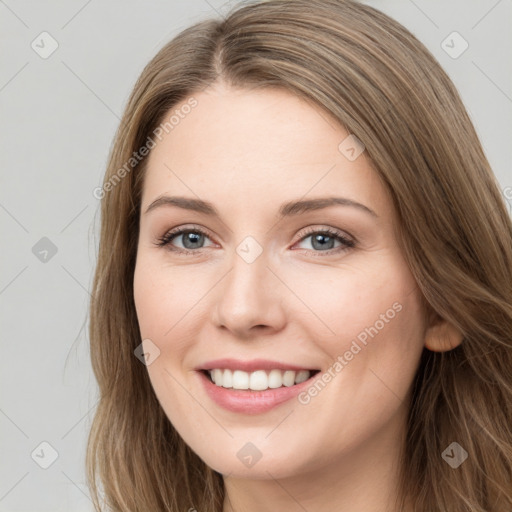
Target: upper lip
(250,366)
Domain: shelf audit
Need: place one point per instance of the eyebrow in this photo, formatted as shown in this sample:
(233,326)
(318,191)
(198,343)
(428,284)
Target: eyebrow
(286,210)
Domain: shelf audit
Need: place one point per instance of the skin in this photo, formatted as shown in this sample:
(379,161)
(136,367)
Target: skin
(247,152)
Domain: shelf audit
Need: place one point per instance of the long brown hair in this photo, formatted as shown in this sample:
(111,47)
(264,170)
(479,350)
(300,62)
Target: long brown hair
(383,86)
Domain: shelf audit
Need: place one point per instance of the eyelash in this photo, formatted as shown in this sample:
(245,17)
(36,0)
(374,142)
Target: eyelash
(169,236)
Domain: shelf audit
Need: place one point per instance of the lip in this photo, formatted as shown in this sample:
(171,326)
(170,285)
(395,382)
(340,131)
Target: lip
(251,402)
(250,366)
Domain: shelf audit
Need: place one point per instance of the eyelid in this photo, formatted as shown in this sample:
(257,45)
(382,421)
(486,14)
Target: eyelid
(318,228)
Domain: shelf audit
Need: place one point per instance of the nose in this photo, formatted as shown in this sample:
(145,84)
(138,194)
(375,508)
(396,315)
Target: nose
(249,299)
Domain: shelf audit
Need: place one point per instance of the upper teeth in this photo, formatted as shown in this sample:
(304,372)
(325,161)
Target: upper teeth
(258,380)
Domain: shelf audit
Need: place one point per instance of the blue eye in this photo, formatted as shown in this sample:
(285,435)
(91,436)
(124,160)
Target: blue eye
(324,240)
(192,239)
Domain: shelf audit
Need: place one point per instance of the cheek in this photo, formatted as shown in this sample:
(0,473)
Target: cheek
(171,308)
(378,323)
(370,316)
(147,290)
(161,298)
(345,301)
(164,317)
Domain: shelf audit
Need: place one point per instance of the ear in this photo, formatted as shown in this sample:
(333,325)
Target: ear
(441,335)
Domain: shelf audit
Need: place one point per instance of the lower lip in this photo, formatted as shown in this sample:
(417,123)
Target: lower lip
(251,402)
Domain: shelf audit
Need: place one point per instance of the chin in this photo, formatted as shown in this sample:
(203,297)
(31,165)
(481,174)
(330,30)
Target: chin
(240,465)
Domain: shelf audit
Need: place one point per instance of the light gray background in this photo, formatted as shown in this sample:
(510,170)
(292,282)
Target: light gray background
(58,117)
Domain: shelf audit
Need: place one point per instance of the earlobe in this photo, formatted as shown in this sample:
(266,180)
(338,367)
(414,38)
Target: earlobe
(442,336)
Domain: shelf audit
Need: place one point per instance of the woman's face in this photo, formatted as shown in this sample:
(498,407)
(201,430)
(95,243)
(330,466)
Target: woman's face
(264,284)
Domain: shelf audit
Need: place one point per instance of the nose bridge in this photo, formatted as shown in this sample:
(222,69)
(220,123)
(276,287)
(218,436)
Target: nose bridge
(249,295)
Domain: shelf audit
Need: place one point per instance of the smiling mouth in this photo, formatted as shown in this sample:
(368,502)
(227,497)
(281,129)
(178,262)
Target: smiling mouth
(259,380)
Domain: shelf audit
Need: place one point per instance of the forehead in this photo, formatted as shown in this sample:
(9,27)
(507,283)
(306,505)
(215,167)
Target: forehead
(257,145)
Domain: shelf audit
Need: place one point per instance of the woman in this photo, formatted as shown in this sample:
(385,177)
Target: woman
(340,336)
